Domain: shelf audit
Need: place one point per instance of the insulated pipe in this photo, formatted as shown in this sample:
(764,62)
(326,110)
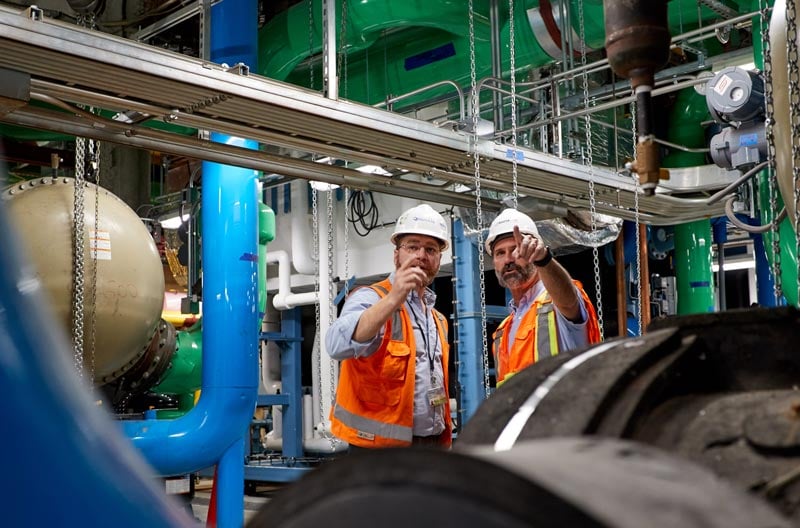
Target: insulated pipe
(214,431)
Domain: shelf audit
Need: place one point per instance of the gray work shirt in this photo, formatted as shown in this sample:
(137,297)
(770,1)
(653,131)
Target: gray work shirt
(570,335)
(428,420)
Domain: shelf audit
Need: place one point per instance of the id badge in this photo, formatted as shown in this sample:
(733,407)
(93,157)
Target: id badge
(436,395)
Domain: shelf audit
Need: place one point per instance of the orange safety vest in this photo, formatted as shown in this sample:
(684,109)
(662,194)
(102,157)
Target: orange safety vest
(537,336)
(375,397)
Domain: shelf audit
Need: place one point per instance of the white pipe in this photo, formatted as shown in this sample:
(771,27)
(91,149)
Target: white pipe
(285,299)
(315,383)
(302,254)
(270,356)
(308,417)
(310,445)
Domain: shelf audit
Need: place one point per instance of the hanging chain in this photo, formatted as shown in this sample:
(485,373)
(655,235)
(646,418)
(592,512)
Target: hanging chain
(769,111)
(512,52)
(346,243)
(476,159)
(310,44)
(96,165)
(317,326)
(331,295)
(77,254)
(792,58)
(341,62)
(636,190)
(590,166)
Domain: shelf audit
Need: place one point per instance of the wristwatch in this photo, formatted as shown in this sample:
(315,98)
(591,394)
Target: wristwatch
(544,261)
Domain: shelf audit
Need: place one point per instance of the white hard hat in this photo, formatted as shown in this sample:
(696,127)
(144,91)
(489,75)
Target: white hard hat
(422,220)
(504,224)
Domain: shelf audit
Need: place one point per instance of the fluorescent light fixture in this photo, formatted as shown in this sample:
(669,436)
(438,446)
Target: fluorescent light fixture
(173,221)
(735,265)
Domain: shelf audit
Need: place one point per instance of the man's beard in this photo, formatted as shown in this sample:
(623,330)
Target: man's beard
(513,276)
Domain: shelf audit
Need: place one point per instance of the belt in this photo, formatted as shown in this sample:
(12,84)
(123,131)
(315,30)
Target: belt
(427,440)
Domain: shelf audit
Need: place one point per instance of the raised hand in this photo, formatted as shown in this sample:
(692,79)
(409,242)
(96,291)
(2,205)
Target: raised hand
(529,248)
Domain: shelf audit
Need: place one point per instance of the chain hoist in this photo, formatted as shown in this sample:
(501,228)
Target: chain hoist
(590,166)
(769,112)
(476,159)
(512,53)
(792,58)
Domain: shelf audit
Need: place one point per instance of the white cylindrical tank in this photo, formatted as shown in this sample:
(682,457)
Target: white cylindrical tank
(120,320)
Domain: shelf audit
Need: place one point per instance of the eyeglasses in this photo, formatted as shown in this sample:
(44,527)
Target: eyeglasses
(430,251)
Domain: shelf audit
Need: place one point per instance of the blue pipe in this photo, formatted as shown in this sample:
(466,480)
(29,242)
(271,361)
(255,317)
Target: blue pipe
(214,431)
(66,461)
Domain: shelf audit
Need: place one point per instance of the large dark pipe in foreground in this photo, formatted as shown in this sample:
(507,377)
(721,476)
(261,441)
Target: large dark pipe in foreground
(719,389)
(551,483)
(637,45)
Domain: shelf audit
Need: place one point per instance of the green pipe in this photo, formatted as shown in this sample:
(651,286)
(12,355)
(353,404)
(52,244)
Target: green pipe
(183,377)
(383,38)
(266,233)
(693,241)
(693,274)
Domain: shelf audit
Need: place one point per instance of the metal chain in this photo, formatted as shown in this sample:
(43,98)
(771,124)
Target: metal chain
(331,293)
(769,112)
(635,177)
(346,243)
(792,57)
(310,44)
(77,255)
(315,251)
(341,62)
(512,52)
(590,166)
(93,326)
(326,66)
(476,158)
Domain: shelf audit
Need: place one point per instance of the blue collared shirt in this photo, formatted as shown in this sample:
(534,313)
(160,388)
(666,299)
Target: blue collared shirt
(570,335)
(428,420)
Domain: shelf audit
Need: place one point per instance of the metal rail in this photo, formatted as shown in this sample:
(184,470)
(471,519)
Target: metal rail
(76,66)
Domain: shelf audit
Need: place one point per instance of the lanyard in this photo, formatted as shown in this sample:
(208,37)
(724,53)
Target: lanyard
(429,352)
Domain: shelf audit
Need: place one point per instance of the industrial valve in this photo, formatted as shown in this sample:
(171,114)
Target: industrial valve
(735,98)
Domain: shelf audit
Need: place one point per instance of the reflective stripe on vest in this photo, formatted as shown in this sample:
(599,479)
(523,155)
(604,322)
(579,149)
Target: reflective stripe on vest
(369,428)
(546,333)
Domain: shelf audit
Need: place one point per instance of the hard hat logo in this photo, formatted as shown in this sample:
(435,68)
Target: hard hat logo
(423,220)
(504,225)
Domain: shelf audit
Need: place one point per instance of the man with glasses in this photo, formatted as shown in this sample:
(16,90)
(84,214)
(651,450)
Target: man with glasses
(393,383)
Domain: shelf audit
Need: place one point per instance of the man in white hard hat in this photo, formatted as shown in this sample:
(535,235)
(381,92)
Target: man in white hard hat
(550,312)
(393,383)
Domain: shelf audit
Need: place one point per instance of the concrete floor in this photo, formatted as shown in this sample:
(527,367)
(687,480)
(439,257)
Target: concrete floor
(252,503)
